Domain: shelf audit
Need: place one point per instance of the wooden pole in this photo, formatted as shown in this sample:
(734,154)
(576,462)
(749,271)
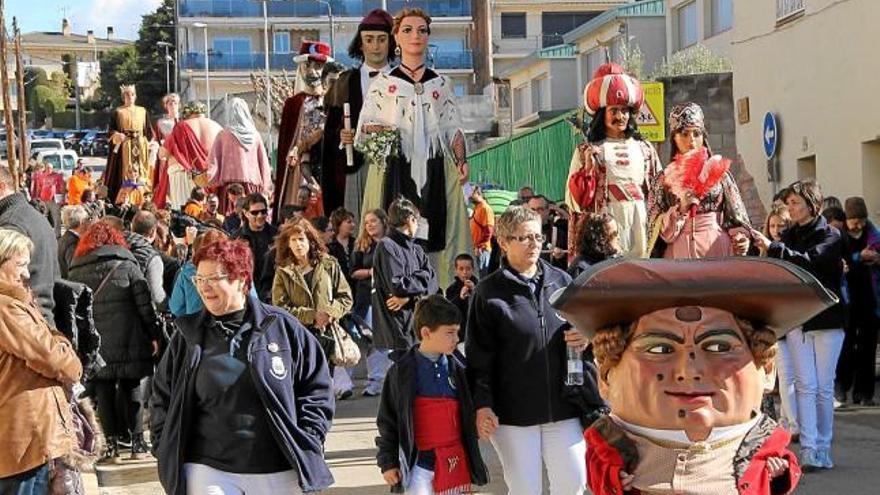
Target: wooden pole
(24,145)
(7,103)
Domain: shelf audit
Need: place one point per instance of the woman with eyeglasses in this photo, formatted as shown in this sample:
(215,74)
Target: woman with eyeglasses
(516,350)
(309,282)
(686,222)
(185,299)
(130,334)
(241,400)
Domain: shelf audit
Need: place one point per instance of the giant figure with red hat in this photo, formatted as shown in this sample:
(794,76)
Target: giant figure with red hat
(301,129)
(614,169)
(344,182)
(685,350)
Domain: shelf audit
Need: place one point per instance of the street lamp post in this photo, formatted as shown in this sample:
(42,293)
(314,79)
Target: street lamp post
(204,26)
(166,45)
(268,79)
(332,29)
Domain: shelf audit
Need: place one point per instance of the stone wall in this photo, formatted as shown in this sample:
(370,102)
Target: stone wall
(714,93)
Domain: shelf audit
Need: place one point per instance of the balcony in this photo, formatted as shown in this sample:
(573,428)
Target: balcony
(434,8)
(451,60)
(276,8)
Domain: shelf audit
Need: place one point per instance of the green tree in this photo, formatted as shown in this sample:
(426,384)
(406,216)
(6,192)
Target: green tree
(695,60)
(155,27)
(118,66)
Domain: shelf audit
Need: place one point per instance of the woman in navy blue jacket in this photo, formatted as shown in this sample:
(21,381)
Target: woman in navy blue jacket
(242,398)
(814,245)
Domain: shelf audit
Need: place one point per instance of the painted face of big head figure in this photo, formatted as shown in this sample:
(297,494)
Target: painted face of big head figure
(687,368)
(311,72)
(375,48)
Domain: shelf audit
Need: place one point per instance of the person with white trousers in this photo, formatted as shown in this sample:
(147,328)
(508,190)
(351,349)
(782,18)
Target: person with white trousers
(516,350)
(817,247)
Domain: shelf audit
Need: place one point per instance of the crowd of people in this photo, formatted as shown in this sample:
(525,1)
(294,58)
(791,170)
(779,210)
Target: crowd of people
(215,315)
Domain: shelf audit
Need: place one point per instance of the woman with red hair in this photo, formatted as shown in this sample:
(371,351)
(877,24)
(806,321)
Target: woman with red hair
(241,400)
(126,320)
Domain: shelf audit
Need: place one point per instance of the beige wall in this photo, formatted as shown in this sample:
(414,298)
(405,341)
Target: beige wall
(816,73)
(719,43)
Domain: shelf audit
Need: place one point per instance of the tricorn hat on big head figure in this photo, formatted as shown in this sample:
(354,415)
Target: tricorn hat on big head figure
(313,50)
(765,291)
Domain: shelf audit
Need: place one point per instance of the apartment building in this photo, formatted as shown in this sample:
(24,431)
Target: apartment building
(233,35)
(802,61)
(707,22)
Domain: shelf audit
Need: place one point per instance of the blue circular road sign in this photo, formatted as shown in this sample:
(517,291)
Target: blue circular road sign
(770,135)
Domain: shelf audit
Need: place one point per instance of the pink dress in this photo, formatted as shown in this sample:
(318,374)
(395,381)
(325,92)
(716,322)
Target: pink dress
(231,163)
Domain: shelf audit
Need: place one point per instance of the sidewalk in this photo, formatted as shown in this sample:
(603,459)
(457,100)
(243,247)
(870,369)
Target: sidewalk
(350,452)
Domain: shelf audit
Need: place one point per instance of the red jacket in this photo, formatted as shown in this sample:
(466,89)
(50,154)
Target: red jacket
(609,452)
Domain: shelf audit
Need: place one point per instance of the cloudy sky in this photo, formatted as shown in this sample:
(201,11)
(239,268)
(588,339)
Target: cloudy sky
(46,15)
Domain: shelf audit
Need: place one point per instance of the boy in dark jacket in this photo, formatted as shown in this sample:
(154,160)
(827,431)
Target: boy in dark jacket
(426,415)
(459,293)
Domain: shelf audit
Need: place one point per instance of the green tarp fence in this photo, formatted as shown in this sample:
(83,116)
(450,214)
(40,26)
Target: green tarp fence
(539,158)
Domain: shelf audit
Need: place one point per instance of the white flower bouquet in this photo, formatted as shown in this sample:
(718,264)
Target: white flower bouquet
(379,145)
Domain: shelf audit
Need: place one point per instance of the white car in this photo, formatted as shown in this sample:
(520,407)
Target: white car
(62,160)
(40,145)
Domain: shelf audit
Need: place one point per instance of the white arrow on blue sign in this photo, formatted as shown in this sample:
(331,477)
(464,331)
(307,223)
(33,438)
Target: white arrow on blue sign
(770,135)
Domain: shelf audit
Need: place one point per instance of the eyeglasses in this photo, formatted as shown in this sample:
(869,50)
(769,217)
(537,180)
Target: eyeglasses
(527,239)
(258,213)
(198,280)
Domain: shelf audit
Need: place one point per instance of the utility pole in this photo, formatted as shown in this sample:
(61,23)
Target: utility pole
(22,106)
(7,103)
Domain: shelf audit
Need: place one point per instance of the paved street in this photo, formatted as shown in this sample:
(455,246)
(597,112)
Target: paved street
(350,453)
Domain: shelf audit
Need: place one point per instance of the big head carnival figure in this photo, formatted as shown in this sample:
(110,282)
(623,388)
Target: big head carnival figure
(411,135)
(301,129)
(186,150)
(129,172)
(612,171)
(344,182)
(162,128)
(685,352)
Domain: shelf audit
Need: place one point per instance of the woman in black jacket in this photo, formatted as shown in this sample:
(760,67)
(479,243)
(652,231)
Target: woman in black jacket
(516,351)
(817,247)
(241,400)
(125,319)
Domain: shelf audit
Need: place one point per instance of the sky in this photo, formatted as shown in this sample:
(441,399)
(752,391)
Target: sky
(46,15)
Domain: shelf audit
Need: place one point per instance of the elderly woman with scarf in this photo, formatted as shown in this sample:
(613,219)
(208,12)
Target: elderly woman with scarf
(238,156)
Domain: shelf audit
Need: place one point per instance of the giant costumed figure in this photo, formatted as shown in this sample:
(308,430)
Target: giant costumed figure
(614,169)
(187,151)
(344,182)
(301,129)
(129,172)
(685,353)
(414,108)
(162,128)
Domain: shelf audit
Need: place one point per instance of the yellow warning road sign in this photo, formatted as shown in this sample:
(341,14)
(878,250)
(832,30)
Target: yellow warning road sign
(652,115)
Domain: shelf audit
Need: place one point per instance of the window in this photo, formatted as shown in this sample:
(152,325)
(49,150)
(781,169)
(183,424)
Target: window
(460,89)
(788,9)
(513,25)
(282,42)
(687,25)
(538,94)
(722,15)
(555,24)
(519,103)
(231,46)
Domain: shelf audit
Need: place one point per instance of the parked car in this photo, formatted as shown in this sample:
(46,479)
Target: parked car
(85,144)
(100,145)
(38,145)
(72,139)
(63,161)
